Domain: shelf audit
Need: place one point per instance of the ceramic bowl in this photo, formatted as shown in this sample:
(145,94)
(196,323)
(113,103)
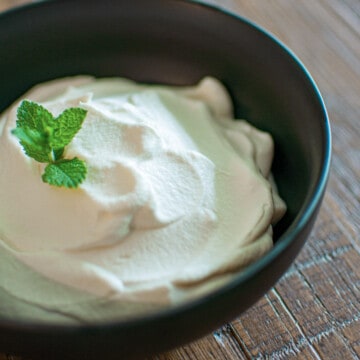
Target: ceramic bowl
(174,42)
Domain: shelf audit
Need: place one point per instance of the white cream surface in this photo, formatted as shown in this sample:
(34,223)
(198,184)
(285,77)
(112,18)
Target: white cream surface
(177,193)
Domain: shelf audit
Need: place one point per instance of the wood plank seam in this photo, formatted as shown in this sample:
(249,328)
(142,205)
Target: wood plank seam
(236,336)
(304,340)
(322,258)
(224,337)
(334,325)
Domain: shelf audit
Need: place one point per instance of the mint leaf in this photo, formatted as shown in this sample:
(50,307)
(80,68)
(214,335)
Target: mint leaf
(67,173)
(66,125)
(34,143)
(44,138)
(33,116)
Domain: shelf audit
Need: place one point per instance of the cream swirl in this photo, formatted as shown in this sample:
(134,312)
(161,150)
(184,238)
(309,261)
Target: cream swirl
(176,191)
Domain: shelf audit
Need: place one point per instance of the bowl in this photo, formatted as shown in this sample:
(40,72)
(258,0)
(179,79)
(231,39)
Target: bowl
(174,42)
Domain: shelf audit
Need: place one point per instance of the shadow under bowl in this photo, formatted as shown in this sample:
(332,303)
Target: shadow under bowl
(174,42)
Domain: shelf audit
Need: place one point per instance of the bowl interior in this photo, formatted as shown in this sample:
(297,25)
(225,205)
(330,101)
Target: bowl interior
(268,89)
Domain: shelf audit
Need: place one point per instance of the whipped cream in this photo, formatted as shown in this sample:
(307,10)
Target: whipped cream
(178,195)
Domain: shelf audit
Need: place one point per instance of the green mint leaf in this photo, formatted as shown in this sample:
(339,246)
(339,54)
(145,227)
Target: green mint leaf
(44,138)
(33,116)
(34,143)
(65,126)
(67,173)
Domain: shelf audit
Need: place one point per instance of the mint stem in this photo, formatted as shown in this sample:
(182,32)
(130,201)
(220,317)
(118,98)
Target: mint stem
(52,156)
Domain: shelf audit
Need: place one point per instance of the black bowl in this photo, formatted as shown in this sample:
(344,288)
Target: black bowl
(174,42)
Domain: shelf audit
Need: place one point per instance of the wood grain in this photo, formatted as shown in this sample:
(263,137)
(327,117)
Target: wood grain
(314,310)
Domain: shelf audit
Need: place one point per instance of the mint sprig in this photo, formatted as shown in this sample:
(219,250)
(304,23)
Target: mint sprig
(44,137)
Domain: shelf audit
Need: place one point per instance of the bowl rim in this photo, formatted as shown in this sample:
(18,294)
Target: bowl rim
(307,210)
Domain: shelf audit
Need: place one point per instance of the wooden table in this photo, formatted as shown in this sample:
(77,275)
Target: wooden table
(314,310)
